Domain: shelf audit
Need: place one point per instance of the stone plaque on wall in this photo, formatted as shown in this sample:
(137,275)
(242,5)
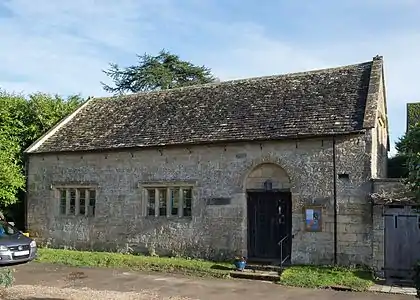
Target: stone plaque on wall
(241,155)
(218,201)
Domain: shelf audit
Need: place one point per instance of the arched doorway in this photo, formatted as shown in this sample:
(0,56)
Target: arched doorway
(269,210)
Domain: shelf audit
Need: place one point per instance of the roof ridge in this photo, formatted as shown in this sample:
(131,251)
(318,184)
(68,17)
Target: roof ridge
(312,103)
(241,80)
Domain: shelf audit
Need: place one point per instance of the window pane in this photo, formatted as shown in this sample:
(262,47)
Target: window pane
(92,203)
(72,202)
(174,201)
(151,202)
(162,202)
(63,202)
(82,201)
(187,196)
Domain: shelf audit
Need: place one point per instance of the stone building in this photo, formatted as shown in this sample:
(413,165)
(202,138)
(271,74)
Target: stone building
(251,167)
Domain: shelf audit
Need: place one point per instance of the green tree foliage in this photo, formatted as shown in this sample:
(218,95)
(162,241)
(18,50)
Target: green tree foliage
(160,72)
(397,166)
(44,111)
(11,177)
(22,121)
(409,146)
(413,114)
(12,128)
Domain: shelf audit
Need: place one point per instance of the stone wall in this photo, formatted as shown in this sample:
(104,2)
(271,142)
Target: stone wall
(380,137)
(378,242)
(354,226)
(213,231)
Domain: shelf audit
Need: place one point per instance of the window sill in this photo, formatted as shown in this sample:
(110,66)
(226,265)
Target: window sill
(75,216)
(168,218)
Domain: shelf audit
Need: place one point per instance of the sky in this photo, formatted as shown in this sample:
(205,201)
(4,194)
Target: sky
(61,47)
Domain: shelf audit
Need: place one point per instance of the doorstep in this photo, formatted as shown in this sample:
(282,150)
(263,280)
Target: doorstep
(256,275)
(392,289)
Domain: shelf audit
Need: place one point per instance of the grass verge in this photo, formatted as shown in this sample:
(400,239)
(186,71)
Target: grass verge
(327,277)
(298,276)
(185,266)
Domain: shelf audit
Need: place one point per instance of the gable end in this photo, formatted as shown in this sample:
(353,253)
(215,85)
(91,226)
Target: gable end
(38,143)
(376,77)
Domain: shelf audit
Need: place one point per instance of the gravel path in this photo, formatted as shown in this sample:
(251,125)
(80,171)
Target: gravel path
(36,281)
(37,292)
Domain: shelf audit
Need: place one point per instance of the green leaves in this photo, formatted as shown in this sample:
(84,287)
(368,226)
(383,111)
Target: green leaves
(44,111)
(7,277)
(409,146)
(413,113)
(164,71)
(11,177)
(397,166)
(12,129)
(22,121)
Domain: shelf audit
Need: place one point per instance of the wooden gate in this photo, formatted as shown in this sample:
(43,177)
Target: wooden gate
(402,241)
(269,225)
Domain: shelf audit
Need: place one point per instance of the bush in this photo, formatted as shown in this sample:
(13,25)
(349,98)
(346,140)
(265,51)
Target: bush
(6,277)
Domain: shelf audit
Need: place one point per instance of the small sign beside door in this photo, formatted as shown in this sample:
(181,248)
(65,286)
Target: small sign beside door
(313,218)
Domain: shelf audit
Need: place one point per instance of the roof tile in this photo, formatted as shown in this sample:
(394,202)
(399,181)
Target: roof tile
(322,102)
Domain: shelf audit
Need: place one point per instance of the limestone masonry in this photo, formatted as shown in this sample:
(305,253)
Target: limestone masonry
(138,182)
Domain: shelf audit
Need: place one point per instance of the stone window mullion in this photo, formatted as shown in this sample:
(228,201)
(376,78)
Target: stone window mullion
(77,202)
(181,202)
(86,202)
(67,201)
(145,203)
(156,202)
(168,202)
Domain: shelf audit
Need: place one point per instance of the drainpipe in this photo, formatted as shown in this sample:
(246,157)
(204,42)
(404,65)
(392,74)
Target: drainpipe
(25,198)
(335,201)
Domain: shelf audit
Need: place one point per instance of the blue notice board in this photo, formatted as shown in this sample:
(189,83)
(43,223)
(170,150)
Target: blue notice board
(313,218)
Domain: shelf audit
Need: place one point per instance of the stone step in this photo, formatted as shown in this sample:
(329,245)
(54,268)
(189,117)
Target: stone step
(256,275)
(261,267)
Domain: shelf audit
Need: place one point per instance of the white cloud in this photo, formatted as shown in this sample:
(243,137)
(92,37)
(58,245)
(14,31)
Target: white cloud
(62,46)
(254,53)
(249,52)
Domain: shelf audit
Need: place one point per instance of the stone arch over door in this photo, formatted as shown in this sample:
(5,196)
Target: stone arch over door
(264,172)
(269,213)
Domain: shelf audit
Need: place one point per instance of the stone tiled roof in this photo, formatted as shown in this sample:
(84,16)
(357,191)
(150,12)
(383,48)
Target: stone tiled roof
(316,103)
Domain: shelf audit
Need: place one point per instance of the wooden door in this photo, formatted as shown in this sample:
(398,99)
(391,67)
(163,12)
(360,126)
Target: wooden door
(269,225)
(402,241)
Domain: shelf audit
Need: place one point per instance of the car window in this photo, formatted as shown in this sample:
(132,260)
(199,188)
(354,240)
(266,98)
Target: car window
(6,229)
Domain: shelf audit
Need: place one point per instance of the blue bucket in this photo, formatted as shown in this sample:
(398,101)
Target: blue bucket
(240,265)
